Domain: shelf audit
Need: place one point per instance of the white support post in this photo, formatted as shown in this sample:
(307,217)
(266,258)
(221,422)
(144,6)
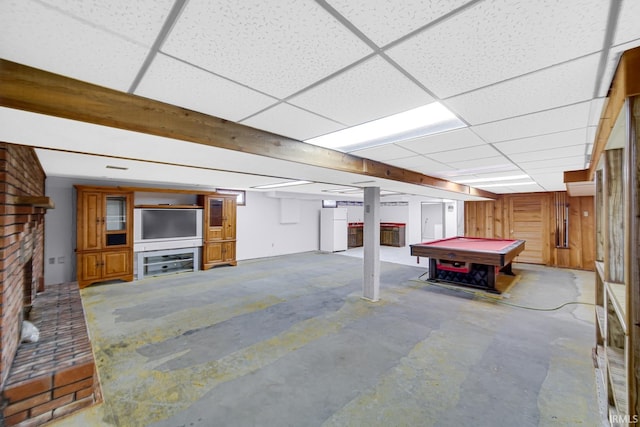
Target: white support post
(371,241)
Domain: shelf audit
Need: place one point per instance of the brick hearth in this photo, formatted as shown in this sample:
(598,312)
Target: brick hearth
(56,375)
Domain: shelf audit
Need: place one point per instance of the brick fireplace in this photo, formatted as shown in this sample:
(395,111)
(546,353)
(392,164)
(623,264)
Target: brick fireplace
(55,376)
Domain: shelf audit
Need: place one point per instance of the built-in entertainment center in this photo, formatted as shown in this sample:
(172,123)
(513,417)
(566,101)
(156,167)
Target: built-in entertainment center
(129,233)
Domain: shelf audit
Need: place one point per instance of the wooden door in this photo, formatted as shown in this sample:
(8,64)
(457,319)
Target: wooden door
(89,268)
(116,264)
(229,251)
(529,221)
(212,254)
(89,218)
(214,214)
(229,219)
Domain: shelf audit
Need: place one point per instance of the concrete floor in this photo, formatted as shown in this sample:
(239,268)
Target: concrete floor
(288,341)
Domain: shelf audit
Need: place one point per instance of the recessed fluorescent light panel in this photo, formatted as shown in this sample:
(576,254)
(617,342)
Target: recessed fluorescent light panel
(506,184)
(282,184)
(494,179)
(426,120)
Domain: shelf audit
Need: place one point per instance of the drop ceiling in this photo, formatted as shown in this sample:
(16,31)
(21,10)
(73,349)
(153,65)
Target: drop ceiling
(528,79)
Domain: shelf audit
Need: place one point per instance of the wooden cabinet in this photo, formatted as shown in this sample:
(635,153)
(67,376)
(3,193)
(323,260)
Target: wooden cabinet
(355,236)
(104,228)
(392,234)
(617,278)
(219,245)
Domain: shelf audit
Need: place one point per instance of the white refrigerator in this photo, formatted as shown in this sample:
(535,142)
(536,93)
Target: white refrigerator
(333,229)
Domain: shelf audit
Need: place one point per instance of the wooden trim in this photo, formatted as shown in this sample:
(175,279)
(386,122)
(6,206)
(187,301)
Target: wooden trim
(577,176)
(35,201)
(38,91)
(625,83)
(633,253)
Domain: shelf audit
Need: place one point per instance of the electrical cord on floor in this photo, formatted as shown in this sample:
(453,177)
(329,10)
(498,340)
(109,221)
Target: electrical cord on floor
(496,300)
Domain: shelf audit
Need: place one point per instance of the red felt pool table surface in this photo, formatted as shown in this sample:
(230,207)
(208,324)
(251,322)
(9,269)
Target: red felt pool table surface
(472,243)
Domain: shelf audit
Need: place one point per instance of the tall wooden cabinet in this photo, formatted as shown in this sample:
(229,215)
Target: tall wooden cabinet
(104,235)
(219,236)
(617,178)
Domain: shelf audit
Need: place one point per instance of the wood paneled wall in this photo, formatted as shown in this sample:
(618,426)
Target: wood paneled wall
(532,217)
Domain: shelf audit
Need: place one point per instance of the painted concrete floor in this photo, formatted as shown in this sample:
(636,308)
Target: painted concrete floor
(287,341)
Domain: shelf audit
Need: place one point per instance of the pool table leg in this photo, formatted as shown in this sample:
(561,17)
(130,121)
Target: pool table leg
(433,268)
(507,270)
(491,279)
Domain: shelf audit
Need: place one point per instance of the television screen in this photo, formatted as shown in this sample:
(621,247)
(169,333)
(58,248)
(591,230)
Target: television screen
(169,223)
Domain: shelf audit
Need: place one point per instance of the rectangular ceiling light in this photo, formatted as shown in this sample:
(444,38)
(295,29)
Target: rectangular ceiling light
(506,184)
(494,179)
(426,120)
(282,184)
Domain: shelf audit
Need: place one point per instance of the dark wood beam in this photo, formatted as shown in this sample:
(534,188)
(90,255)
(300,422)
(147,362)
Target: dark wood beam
(38,91)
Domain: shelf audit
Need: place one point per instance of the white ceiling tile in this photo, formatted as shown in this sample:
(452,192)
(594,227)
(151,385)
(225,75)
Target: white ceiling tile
(554,87)
(175,82)
(41,37)
(139,20)
(384,153)
(275,47)
(452,140)
(463,154)
(489,164)
(595,110)
(386,21)
(420,164)
(544,122)
(292,122)
(502,39)
(544,177)
(565,163)
(533,188)
(555,153)
(369,91)
(628,28)
(544,142)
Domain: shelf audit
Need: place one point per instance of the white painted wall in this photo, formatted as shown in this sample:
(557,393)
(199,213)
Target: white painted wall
(414,226)
(261,232)
(450,219)
(432,221)
(60,232)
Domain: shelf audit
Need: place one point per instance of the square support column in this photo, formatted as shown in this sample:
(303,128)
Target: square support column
(371,240)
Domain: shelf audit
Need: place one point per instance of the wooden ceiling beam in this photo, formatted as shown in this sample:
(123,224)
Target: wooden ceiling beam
(30,89)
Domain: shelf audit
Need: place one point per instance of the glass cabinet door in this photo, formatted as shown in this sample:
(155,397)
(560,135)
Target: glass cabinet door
(215,212)
(116,219)
(115,223)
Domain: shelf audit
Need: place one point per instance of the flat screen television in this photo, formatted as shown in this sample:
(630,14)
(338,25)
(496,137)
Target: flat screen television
(157,224)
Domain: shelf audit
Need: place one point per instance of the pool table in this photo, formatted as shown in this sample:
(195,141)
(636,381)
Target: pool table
(470,261)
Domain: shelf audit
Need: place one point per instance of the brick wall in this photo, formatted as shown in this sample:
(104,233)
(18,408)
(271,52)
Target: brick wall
(55,376)
(22,240)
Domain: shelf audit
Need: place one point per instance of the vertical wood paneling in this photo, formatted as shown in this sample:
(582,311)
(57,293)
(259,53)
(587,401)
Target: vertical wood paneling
(575,231)
(633,303)
(532,217)
(587,237)
(599,217)
(614,223)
